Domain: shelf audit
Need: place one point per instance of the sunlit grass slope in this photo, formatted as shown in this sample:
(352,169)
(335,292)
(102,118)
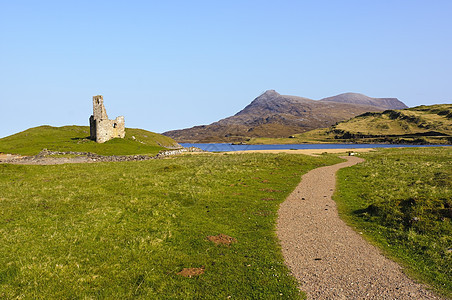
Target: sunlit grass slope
(401,199)
(76,138)
(124,230)
(427,122)
(420,125)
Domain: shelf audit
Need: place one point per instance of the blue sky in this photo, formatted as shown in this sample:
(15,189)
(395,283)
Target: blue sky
(174,64)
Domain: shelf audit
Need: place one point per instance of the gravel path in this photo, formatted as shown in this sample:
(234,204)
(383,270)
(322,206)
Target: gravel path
(328,258)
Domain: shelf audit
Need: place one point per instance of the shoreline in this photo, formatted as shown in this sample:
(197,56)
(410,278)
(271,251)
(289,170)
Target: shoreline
(305,151)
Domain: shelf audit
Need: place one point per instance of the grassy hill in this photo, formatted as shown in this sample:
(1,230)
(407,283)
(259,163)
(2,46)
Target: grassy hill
(418,125)
(76,138)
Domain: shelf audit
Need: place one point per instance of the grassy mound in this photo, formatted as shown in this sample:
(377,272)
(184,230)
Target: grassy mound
(421,125)
(418,125)
(401,199)
(76,138)
(136,229)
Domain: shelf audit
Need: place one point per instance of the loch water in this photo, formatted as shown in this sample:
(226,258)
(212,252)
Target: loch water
(223,147)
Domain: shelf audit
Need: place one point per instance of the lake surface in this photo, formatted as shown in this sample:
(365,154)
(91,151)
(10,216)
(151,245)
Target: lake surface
(222,147)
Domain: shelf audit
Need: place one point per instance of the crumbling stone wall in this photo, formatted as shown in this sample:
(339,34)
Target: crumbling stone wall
(86,157)
(101,128)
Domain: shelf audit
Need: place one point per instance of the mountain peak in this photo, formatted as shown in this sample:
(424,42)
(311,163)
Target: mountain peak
(269,93)
(356,98)
(352,94)
(267,96)
(348,97)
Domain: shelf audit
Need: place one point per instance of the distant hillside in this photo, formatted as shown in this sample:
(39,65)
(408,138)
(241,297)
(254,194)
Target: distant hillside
(275,115)
(76,138)
(355,98)
(418,125)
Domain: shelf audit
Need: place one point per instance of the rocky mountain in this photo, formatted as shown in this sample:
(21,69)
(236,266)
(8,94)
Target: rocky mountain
(355,98)
(275,115)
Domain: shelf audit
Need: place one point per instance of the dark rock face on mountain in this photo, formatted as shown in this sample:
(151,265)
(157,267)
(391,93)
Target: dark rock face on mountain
(275,115)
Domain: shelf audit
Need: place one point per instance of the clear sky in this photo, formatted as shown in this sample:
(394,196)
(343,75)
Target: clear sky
(174,64)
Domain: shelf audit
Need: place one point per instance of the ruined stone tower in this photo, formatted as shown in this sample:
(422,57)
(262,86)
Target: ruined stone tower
(101,128)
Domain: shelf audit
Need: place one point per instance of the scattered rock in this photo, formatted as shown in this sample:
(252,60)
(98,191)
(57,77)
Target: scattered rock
(85,157)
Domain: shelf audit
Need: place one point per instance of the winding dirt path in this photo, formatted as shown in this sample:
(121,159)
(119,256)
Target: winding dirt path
(328,258)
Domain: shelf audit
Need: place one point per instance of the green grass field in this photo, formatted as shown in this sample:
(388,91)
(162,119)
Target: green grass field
(401,199)
(76,138)
(124,230)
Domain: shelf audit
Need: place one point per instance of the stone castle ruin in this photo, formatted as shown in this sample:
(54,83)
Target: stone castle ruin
(101,128)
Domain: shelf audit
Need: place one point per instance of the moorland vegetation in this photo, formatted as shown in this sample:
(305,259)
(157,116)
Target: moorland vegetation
(418,125)
(401,200)
(134,229)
